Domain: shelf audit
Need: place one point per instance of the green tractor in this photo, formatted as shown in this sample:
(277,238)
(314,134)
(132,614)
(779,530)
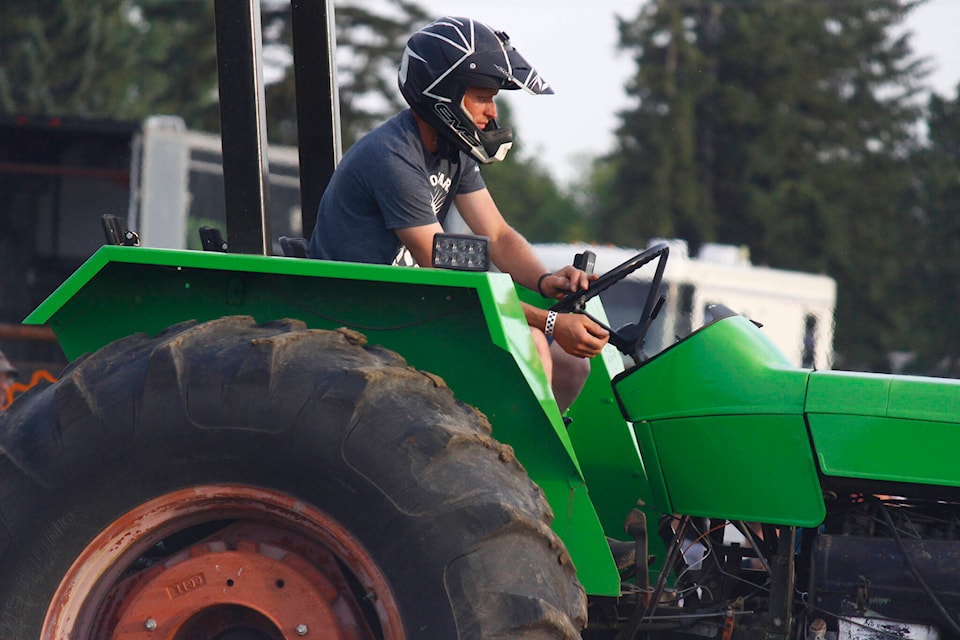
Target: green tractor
(251,447)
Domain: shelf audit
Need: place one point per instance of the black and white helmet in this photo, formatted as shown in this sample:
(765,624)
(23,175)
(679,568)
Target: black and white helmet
(445,58)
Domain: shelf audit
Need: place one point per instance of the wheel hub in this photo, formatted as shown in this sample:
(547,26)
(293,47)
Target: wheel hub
(202,586)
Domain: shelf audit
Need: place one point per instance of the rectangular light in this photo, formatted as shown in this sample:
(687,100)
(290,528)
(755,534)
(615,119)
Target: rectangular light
(462,252)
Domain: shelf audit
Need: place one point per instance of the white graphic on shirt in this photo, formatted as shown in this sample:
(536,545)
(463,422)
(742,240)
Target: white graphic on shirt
(441,184)
(404,258)
(441,190)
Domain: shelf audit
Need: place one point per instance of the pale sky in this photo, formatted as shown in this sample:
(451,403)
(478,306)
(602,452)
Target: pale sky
(572,43)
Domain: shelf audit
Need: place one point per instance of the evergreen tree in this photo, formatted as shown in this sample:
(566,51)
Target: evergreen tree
(128,60)
(657,161)
(369,44)
(785,126)
(177,69)
(934,287)
(66,57)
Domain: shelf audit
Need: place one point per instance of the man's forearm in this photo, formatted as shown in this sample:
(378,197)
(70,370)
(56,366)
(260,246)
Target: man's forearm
(535,316)
(513,254)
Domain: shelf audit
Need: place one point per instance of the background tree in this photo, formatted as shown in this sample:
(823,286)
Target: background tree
(369,44)
(785,126)
(127,59)
(657,158)
(177,61)
(933,290)
(61,57)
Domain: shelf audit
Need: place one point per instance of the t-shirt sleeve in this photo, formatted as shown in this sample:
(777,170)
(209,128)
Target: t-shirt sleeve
(403,194)
(470,178)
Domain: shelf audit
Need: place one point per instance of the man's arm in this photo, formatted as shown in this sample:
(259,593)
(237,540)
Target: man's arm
(419,241)
(511,252)
(577,334)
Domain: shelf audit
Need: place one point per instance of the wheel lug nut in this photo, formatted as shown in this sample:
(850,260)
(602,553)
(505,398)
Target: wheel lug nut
(150,624)
(302,629)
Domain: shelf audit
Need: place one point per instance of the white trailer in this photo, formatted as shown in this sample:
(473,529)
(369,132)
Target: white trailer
(181,187)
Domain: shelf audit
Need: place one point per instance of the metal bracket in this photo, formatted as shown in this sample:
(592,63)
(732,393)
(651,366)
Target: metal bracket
(212,240)
(116,232)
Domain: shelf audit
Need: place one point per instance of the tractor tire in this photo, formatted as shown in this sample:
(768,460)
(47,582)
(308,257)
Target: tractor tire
(230,480)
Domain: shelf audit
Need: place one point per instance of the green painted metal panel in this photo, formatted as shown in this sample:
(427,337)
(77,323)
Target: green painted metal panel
(719,419)
(607,448)
(605,443)
(660,497)
(891,428)
(921,398)
(757,468)
(610,454)
(467,328)
(848,393)
(892,449)
(728,367)
(913,397)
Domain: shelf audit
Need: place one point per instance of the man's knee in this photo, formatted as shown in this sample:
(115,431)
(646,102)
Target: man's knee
(572,368)
(544,351)
(569,375)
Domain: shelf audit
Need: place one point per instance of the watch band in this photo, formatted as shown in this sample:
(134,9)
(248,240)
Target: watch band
(540,284)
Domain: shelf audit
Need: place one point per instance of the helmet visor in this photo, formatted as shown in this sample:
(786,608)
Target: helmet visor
(504,69)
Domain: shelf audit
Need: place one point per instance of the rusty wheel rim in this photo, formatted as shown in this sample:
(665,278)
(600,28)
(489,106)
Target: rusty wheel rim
(276,569)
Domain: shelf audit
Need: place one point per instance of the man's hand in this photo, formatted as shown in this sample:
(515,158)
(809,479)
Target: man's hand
(567,280)
(578,335)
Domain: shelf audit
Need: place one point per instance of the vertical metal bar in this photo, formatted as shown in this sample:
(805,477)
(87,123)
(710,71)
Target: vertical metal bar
(243,125)
(782,581)
(318,102)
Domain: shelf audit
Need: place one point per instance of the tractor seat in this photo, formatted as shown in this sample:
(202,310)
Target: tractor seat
(293,247)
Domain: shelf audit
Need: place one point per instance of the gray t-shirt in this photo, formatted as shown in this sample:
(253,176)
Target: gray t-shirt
(387,181)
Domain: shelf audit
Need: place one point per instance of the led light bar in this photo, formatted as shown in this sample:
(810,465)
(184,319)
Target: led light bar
(461,252)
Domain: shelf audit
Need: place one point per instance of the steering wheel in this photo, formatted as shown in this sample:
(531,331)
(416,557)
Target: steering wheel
(628,338)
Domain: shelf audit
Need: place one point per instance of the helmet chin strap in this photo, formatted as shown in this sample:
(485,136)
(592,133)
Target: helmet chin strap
(496,142)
